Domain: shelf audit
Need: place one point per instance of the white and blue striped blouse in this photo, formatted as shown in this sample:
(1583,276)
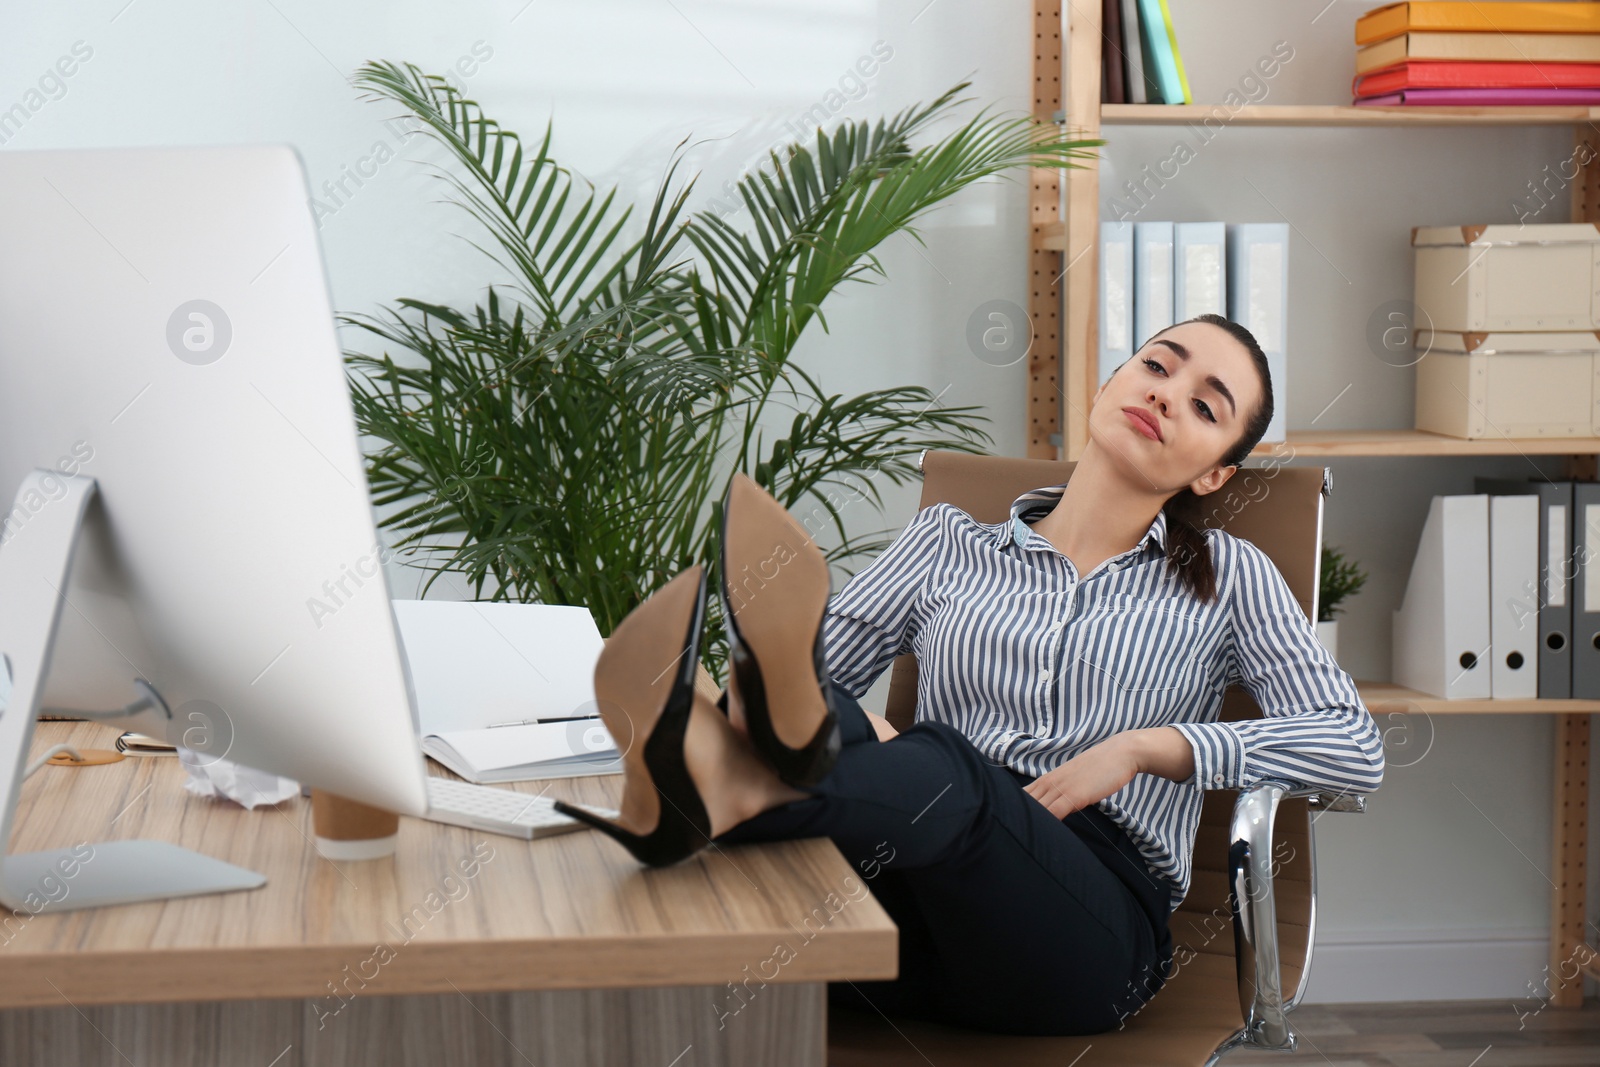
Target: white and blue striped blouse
(1035,664)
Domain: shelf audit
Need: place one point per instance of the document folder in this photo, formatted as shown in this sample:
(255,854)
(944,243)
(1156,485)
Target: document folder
(1441,629)
(1258,298)
(1152,280)
(1552,596)
(1513,597)
(1586,595)
(1116,296)
(1200,269)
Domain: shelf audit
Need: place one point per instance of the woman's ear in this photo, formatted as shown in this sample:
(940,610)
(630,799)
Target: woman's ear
(1212,480)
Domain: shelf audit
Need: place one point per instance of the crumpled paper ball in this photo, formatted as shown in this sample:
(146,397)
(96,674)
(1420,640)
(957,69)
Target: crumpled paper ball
(210,776)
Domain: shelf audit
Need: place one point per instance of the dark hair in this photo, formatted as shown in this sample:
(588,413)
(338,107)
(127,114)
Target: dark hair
(1188,554)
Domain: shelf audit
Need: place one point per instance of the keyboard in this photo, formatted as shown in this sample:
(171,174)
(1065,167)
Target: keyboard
(499,811)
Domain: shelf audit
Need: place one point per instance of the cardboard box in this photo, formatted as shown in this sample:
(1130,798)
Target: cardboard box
(1508,384)
(1508,277)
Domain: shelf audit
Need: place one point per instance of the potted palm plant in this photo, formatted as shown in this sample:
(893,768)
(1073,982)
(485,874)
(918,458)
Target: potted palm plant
(566,440)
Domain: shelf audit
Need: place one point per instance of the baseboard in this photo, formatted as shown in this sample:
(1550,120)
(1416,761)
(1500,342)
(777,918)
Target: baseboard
(1351,966)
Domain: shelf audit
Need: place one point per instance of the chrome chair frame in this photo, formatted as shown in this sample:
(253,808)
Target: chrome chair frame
(1255,919)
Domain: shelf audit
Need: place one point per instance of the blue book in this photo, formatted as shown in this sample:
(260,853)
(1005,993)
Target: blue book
(1160,66)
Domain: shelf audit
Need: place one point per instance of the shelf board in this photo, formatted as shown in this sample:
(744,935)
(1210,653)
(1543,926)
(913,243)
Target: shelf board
(1382,698)
(1421,443)
(1411,442)
(1341,115)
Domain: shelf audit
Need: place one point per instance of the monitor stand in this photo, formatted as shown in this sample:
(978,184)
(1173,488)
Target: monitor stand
(35,563)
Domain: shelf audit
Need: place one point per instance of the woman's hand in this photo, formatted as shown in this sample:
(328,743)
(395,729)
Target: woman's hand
(1097,772)
(1090,776)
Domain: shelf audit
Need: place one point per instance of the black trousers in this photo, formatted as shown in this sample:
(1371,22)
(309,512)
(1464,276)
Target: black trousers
(1011,920)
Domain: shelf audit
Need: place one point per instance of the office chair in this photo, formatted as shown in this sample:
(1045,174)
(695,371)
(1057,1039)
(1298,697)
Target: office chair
(1235,952)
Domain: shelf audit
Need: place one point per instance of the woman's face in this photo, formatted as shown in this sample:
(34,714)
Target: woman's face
(1196,388)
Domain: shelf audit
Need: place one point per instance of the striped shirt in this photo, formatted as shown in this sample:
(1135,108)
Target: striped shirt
(1035,664)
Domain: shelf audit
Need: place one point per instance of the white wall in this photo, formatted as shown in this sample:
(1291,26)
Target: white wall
(1455,850)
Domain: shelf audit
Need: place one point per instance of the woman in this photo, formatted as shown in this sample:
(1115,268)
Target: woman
(1032,833)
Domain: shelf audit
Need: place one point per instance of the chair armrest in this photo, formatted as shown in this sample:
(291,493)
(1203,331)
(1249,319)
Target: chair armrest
(1329,799)
(1255,917)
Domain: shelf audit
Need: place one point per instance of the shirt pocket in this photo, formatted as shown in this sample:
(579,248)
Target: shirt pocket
(1139,654)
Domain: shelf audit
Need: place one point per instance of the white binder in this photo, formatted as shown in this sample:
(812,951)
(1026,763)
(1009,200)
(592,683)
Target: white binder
(1116,296)
(1258,298)
(1514,596)
(1152,279)
(1441,629)
(1199,269)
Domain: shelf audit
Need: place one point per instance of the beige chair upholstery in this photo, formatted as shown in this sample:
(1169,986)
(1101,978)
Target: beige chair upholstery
(1202,1009)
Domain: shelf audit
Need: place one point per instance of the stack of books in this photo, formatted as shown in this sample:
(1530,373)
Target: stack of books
(1139,60)
(1433,52)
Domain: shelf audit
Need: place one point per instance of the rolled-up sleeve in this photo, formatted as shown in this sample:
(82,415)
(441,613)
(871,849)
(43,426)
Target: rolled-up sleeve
(874,618)
(1314,729)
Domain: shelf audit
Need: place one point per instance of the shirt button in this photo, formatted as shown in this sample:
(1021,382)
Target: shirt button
(1216,779)
(1044,676)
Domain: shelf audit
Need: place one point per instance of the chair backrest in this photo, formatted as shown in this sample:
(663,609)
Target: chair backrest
(1279,510)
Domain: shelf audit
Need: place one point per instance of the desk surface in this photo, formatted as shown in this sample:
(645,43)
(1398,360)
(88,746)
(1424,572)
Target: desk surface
(454,909)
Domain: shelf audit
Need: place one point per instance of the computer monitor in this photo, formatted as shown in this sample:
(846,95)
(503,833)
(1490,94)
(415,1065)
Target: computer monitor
(166,330)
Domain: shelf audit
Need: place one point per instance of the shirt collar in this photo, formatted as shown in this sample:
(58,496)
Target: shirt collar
(1036,503)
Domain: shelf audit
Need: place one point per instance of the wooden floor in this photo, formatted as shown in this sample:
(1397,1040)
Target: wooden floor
(1438,1033)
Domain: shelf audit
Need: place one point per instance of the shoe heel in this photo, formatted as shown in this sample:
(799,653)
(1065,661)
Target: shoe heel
(774,588)
(649,715)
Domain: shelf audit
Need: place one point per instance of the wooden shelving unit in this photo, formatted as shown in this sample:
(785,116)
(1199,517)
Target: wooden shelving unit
(1064,268)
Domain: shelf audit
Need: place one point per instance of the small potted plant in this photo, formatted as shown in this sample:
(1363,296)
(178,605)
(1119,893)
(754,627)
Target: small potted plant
(1341,579)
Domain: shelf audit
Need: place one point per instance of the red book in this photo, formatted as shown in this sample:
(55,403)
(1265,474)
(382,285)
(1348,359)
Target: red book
(1475,74)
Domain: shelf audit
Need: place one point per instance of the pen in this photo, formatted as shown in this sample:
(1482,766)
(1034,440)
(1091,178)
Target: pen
(533,722)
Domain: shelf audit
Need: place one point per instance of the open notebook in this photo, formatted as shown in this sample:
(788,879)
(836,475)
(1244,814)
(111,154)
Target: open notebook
(505,692)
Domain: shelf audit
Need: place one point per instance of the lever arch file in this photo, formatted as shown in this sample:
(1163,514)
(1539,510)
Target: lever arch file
(1586,590)
(1116,296)
(1199,269)
(1441,629)
(1513,604)
(1258,297)
(1152,279)
(1553,595)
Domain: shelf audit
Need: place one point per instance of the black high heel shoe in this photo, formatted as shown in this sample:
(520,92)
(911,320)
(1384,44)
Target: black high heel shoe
(783,692)
(647,709)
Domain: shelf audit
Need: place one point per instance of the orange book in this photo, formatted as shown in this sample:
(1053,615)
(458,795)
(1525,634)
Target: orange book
(1391,20)
(1482,47)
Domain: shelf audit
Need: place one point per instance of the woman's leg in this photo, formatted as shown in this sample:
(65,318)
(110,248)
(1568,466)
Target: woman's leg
(1009,922)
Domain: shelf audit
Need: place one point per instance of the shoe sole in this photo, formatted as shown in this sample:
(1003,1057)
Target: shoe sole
(632,687)
(777,586)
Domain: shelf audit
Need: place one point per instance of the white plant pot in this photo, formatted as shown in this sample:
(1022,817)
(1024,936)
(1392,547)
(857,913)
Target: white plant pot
(1328,634)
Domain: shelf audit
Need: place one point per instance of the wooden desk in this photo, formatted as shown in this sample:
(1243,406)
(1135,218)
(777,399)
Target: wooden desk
(464,948)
